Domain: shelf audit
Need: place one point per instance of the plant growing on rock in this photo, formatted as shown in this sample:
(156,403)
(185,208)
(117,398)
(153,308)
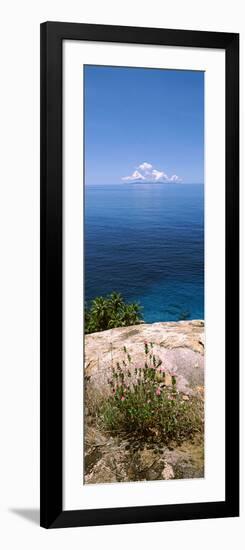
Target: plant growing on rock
(141,402)
(110,312)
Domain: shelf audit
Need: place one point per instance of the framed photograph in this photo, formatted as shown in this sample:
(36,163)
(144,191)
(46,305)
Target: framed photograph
(139,274)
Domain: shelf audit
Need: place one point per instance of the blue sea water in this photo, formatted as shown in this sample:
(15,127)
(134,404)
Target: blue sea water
(146,241)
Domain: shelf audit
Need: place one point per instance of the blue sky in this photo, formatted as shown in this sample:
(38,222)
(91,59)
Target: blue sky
(143,125)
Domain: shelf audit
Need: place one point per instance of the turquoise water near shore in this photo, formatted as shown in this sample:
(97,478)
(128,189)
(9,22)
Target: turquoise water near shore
(147,242)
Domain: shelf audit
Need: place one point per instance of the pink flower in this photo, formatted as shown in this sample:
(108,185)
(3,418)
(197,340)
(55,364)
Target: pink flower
(122,398)
(158,391)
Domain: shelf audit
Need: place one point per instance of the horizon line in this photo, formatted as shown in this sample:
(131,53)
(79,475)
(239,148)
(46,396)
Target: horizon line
(173,184)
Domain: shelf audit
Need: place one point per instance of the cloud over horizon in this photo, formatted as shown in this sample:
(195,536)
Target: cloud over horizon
(146,172)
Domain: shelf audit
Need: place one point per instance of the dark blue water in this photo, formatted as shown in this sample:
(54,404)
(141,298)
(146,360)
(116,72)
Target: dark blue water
(147,242)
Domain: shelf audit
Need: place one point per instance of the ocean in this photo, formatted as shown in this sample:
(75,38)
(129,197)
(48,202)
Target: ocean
(146,241)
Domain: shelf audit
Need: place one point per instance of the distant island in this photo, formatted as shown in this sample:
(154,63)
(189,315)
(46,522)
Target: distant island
(153,182)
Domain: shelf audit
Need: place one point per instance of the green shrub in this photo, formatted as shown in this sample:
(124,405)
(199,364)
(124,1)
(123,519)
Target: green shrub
(111,312)
(144,404)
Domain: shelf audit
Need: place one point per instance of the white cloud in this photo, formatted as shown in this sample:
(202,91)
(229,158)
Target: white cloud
(159,176)
(146,172)
(175,178)
(145,166)
(134,177)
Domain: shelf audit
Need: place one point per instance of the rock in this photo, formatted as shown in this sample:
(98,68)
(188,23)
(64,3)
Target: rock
(111,459)
(102,473)
(168,472)
(146,459)
(125,459)
(179,345)
(187,460)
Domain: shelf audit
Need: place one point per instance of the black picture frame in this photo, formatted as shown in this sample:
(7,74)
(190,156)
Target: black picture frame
(52,35)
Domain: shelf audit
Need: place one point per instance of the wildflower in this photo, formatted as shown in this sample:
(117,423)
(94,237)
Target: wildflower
(122,398)
(158,391)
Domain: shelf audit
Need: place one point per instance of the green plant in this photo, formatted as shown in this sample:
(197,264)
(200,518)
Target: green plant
(141,402)
(110,312)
